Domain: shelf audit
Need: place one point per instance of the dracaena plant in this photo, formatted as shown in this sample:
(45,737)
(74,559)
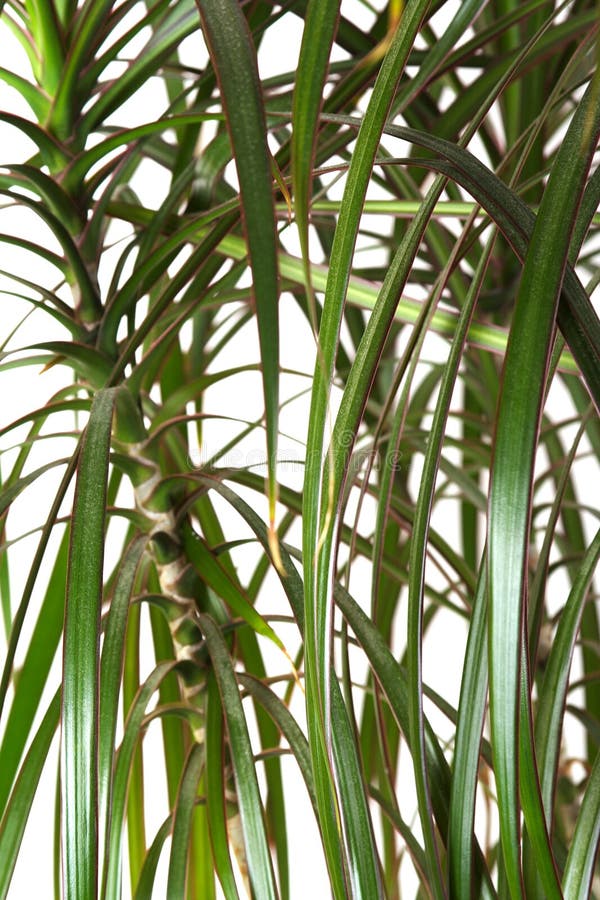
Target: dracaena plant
(370,229)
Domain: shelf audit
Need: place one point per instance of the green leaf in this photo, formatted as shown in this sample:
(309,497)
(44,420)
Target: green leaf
(111,670)
(553,692)
(180,21)
(147,877)
(248,795)
(37,101)
(18,808)
(394,682)
(54,195)
(579,870)
(34,672)
(52,153)
(213,573)
(182,823)
(234,60)
(418,546)
(111,887)
(576,315)
(47,33)
(80,166)
(34,570)
(288,727)
(471,712)
(215,790)
(364,876)
(78,272)
(81,663)
(527,358)
(319,31)
(318,519)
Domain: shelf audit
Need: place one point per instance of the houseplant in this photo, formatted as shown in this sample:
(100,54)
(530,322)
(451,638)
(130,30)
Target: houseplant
(413,199)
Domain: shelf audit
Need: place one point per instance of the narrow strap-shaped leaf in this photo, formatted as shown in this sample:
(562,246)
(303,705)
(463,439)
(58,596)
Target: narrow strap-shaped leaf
(21,612)
(34,672)
(364,877)
(110,40)
(84,33)
(418,544)
(90,302)
(531,799)
(182,823)
(147,877)
(18,808)
(146,275)
(38,102)
(438,52)
(51,151)
(461,831)
(79,772)
(319,30)
(201,877)
(136,824)
(213,573)
(579,869)
(89,363)
(394,682)
(181,20)
(54,195)
(215,789)
(170,692)
(49,41)
(471,712)
(252,656)
(65,11)
(292,585)
(288,726)
(234,60)
(53,258)
(291,581)
(111,669)
(556,677)
(353,809)
(111,887)
(80,166)
(561,503)
(352,404)
(364,295)
(260,869)
(337,281)
(387,670)
(527,358)
(317,548)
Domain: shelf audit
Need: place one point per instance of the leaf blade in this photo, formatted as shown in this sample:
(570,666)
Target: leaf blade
(527,357)
(250,805)
(80,665)
(234,59)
